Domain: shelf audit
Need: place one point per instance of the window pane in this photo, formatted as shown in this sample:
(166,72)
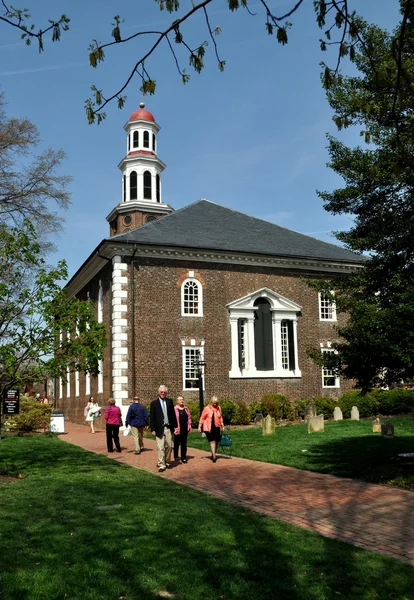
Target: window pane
(191,298)
(146,139)
(136,139)
(327,308)
(190,369)
(133,186)
(147,185)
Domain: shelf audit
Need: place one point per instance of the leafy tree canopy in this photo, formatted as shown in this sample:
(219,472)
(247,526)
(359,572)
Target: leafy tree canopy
(34,311)
(378,192)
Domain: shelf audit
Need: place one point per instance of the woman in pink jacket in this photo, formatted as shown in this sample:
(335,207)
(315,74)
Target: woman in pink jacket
(184,427)
(113,423)
(211,422)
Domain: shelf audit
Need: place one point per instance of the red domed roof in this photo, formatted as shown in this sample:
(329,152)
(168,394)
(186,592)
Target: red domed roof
(142,114)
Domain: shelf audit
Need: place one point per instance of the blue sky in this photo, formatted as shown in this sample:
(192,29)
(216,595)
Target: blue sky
(252,138)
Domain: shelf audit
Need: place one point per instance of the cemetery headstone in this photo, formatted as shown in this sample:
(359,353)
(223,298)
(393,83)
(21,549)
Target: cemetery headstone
(316,424)
(258,420)
(354,414)
(387,430)
(337,415)
(269,425)
(376,426)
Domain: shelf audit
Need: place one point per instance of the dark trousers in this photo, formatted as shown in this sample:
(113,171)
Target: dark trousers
(181,441)
(112,435)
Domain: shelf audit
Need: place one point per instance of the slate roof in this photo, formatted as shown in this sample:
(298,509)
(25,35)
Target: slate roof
(207,225)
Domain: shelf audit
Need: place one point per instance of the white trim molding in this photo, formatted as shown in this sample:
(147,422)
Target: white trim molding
(282,310)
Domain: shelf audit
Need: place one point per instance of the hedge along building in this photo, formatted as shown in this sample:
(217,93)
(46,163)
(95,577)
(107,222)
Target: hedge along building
(204,281)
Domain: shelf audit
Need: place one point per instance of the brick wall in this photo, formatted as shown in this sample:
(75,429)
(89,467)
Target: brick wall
(160,328)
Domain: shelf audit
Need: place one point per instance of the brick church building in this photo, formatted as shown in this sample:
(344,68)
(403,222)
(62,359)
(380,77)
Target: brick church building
(201,284)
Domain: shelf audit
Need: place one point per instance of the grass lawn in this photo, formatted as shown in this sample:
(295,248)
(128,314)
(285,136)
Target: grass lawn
(156,539)
(345,448)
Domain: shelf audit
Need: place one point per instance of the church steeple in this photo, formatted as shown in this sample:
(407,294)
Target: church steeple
(141,176)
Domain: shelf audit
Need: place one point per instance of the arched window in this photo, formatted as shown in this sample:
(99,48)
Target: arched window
(263,339)
(146,139)
(129,142)
(147,185)
(153,141)
(124,188)
(133,186)
(191,298)
(158,186)
(136,139)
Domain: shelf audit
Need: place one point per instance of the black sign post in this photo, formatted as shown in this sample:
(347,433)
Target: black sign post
(10,404)
(198,365)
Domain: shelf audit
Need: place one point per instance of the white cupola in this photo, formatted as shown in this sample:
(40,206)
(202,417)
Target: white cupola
(141,175)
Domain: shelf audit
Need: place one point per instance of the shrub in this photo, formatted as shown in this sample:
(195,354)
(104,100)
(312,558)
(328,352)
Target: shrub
(394,402)
(325,405)
(194,408)
(255,408)
(368,404)
(242,414)
(289,409)
(228,409)
(301,406)
(33,416)
(273,405)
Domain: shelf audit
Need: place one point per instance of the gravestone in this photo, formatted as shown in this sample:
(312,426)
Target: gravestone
(376,426)
(337,415)
(269,425)
(316,424)
(354,414)
(310,411)
(258,420)
(387,430)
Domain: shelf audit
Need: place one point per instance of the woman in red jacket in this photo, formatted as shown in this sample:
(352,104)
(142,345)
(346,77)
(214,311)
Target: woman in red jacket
(113,423)
(211,422)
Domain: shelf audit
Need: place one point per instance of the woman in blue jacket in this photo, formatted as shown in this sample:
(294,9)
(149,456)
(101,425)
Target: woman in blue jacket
(137,418)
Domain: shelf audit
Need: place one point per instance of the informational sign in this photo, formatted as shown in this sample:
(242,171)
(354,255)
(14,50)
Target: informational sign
(11,402)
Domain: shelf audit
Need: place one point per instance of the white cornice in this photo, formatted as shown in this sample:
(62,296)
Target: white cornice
(143,158)
(230,258)
(110,248)
(141,205)
(142,122)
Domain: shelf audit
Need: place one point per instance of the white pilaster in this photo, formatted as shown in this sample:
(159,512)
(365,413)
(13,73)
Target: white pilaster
(119,348)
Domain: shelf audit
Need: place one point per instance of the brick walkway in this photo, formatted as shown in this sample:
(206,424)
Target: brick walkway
(377,518)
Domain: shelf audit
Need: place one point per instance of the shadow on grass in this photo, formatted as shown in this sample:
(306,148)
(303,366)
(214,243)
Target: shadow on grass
(369,458)
(165,540)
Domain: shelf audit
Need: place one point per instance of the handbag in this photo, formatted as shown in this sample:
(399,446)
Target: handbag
(127,430)
(225,440)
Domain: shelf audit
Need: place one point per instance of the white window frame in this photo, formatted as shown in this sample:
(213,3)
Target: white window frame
(326,305)
(186,349)
(282,309)
(60,387)
(100,302)
(200,298)
(328,373)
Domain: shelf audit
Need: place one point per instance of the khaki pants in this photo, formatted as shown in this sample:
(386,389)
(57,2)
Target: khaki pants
(164,447)
(138,436)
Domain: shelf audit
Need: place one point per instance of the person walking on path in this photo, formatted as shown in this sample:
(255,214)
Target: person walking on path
(113,423)
(91,413)
(137,418)
(211,422)
(183,417)
(163,423)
